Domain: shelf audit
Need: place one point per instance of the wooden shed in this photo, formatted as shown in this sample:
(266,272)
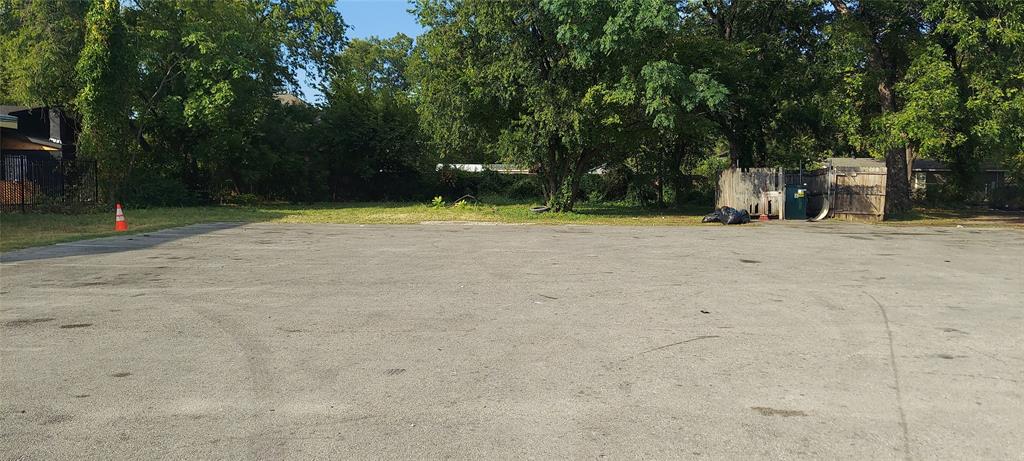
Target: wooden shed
(851,189)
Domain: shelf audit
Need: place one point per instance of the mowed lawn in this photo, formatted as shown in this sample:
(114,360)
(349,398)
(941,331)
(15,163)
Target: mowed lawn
(34,229)
(25,230)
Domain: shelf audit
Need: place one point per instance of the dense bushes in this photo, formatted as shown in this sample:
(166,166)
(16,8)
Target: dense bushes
(150,188)
(617,184)
(452,183)
(1009,197)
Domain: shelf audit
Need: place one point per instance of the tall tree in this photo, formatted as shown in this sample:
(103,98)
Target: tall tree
(556,85)
(376,65)
(978,49)
(763,52)
(105,71)
(207,77)
(371,139)
(875,41)
(310,32)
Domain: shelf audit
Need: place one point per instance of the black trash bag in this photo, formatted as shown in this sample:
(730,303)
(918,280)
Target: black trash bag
(714,216)
(734,216)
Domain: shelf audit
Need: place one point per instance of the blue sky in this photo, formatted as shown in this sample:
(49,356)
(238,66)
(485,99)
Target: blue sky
(366,18)
(382,18)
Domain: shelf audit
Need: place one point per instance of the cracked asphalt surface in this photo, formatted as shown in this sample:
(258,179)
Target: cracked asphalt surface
(785,340)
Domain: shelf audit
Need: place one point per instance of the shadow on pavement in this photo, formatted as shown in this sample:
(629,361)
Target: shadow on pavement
(114,244)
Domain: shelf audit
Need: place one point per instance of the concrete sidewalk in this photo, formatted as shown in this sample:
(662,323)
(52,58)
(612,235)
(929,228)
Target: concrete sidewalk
(470,341)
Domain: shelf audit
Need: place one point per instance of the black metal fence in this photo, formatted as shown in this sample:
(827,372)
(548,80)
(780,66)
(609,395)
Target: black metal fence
(28,183)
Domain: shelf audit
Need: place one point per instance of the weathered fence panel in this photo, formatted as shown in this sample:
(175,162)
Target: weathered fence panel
(743,188)
(859,194)
(853,192)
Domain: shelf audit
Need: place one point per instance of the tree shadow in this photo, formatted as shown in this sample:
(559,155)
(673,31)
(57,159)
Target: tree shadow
(968,215)
(120,243)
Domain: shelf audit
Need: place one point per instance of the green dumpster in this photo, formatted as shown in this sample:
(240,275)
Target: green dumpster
(796,201)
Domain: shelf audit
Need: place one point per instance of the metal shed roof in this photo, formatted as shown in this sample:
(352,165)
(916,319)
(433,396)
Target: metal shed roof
(848,162)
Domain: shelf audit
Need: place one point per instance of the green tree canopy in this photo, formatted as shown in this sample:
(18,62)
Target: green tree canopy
(370,137)
(104,71)
(40,41)
(560,86)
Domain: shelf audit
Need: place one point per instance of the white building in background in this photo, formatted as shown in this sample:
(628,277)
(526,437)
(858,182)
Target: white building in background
(502,168)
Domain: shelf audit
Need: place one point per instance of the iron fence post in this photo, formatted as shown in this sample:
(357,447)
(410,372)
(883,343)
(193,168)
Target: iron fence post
(24,174)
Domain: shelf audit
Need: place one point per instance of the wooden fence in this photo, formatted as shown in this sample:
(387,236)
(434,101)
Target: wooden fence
(857,193)
(743,188)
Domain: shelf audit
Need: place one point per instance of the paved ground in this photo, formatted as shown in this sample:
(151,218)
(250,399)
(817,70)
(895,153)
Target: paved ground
(471,341)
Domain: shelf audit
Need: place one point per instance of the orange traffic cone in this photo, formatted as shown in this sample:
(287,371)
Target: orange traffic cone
(120,224)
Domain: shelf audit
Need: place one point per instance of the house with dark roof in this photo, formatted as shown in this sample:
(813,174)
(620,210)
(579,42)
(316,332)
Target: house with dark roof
(933,173)
(37,133)
(37,159)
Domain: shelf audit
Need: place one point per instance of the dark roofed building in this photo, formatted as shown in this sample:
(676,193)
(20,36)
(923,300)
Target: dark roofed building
(40,132)
(929,173)
(37,159)
(289,99)
(855,162)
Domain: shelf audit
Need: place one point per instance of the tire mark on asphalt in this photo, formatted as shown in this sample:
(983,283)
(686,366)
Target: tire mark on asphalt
(967,375)
(895,378)
(698,338)
(277,433)
(255,353)
(676,344)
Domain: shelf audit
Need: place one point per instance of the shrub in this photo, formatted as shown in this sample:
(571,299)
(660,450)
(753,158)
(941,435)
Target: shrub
(148,188)
(591,188)
(616,182)
(456,183)
(525,187)
(1009,197)
(241,199)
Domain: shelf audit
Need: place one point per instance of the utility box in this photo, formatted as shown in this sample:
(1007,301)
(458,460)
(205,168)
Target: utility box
(796,201)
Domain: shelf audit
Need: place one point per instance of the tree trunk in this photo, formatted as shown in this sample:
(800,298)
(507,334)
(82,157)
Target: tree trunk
(911,154)
(557,188)
(739,149)
(560,190)
(965,164)
(563,181)
(551,180)
(550,185)
(898,163)
(661,188)
(897,182)
(734,150)
(675,176)
(574,189)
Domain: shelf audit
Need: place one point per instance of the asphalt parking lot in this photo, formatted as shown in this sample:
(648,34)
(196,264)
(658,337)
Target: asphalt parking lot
(481,341)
